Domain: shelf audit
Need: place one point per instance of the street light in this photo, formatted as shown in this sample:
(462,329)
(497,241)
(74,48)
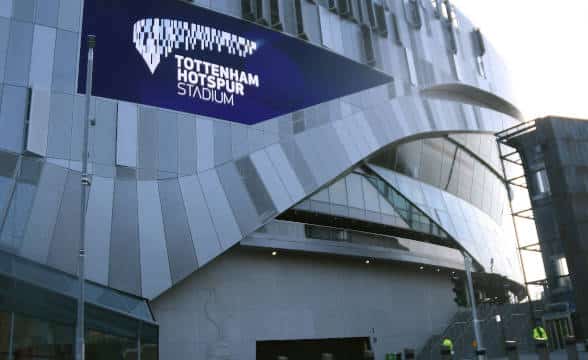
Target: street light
(472,296)
(85,184)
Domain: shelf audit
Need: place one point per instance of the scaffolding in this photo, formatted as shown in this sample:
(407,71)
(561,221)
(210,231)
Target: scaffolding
(514,176)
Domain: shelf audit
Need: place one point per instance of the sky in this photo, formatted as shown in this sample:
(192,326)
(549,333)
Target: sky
(545,46)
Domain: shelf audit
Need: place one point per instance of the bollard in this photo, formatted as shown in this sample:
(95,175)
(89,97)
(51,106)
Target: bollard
(571,348)
(512,351)
(446,353)
(542,350)
(327,356)
(481,354)
(408,354)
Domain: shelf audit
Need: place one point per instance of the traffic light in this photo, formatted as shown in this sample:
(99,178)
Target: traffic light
(459,290)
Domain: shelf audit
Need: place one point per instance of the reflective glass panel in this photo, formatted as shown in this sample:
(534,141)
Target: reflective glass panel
(100,346)
(149,346)
(38,339)
(4,334)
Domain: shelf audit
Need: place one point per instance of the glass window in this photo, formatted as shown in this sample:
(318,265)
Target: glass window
(4,335)
(541,185)
(100,346)
(38,339)
(338,193)
(354,191)
(149,347)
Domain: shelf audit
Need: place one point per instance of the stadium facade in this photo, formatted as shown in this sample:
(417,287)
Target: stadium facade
(339,223)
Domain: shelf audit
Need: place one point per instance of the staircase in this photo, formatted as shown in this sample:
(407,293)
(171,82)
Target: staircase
(515,324)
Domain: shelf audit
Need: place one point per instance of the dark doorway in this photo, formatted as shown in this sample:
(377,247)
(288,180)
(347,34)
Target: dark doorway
(342,349)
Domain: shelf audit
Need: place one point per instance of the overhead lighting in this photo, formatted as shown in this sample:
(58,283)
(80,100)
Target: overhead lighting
(421,267)
(367,261)
(274,253)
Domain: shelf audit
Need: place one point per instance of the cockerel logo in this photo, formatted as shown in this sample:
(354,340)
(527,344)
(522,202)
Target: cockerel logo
(156,38)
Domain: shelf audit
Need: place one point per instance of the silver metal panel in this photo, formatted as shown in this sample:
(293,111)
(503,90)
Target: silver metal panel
(4,36)
(239,198)
(310,149)
(6,8)
(239,140)
(205,134)
(271,180)
(47,12)
(21,203)
(125,267)
(70,12)
(168,143)
(222,142)
(286,173)
(347,141)
(41,73)
(222,215)
(39,232)
(255,139)
(12,117)
(18,56)
(155,269)
(180,248)
(24,10)
(38,122)
(65,64)
(204,236)
(75,152)
(104,144)
(60,119)
(126,134)
(65,244)
(98,226)
(188,149)
(148,138)
(298,163)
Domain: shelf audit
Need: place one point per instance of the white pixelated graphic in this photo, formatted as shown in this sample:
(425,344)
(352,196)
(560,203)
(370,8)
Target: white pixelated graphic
(157,38)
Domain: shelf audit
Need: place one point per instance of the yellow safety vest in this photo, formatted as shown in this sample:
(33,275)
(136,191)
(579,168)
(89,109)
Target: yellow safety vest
(539,333)
(448,343)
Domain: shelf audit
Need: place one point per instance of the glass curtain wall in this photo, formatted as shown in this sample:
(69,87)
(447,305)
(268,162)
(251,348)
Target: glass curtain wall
(4,334)
(32,339)
(40,339)
(38,324)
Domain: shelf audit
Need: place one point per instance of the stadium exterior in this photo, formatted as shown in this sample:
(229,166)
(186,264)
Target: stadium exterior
(210,239)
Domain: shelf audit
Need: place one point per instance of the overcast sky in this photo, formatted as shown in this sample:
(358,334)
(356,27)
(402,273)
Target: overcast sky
(545,46)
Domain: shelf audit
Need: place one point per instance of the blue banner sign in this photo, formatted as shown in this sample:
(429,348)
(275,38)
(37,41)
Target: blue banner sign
(173,55)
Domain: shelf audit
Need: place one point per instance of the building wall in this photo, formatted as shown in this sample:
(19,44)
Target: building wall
(563,145)
(246,296)
(171,191)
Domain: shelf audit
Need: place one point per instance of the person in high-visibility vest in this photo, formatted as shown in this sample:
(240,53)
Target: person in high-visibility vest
(448,344)
(539,333)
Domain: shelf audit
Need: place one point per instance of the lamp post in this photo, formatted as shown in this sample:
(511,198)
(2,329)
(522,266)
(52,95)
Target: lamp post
(472,297)
(85,184)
